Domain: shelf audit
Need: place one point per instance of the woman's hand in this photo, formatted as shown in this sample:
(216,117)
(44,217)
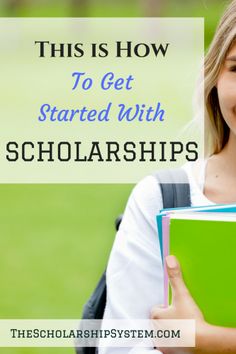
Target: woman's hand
(183,306)
(209,339)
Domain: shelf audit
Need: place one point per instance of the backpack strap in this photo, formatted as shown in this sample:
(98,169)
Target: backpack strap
(175,188)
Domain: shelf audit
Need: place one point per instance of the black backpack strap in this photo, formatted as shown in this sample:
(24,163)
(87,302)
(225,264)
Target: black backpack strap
(175,193)
(175,188)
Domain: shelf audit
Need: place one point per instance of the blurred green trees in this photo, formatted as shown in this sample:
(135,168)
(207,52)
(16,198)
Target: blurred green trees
(209,9)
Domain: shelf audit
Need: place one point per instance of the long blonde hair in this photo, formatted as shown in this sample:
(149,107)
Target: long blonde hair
(217,131)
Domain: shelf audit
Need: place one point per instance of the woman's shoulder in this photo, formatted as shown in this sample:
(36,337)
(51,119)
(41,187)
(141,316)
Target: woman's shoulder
(145,199)
(196,172)
(147,189)
(147,192)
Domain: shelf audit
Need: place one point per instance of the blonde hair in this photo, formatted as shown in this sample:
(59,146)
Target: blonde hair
(217,131)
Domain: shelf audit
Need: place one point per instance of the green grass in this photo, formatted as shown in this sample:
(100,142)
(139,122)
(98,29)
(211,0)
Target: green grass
(55,242)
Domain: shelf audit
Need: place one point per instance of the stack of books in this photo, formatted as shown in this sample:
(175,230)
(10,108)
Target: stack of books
(204,241)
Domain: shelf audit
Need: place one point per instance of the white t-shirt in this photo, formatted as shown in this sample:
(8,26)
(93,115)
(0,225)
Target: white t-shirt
(134,272)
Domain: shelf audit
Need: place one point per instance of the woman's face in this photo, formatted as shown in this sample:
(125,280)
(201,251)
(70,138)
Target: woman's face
(226,87)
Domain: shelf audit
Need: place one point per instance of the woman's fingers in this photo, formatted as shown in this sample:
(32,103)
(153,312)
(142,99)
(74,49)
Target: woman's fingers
(183,305)
(158,311)
(178,286)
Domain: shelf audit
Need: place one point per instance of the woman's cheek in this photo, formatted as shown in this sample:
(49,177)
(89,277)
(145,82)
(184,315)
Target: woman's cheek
(227,102)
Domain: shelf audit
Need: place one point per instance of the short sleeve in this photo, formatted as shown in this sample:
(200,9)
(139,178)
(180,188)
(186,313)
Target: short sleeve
(135,271)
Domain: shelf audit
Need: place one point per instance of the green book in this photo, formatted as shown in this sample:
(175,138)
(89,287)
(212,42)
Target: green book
(205,244)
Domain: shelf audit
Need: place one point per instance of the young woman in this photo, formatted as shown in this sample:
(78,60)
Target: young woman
(134,274)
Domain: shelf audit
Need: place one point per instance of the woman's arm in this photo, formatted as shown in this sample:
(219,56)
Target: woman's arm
(216,340)
(135,270)
(209,339)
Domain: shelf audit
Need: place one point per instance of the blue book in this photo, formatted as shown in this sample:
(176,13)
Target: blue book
(220,208)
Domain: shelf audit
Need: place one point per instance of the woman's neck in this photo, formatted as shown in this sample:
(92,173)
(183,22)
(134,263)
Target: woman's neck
(226,158)
(220,181)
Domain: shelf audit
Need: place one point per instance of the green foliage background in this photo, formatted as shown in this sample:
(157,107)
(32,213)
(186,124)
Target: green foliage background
(55,239)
